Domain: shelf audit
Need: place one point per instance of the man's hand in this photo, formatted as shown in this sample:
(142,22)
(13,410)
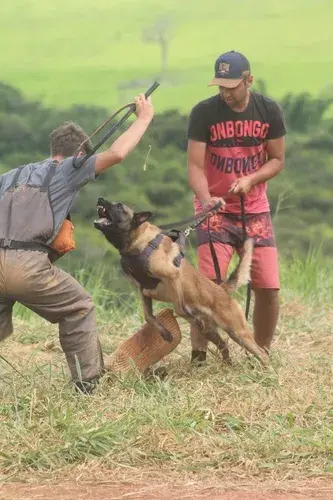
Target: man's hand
(144,108)
(210,202)
(241,186)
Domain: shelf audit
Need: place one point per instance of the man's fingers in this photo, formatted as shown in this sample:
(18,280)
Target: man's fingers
(234,187)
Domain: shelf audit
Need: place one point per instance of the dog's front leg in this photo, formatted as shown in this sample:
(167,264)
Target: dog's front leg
(150,318)
(214,337)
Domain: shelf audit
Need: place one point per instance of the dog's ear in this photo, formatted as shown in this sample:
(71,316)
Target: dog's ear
(140,217)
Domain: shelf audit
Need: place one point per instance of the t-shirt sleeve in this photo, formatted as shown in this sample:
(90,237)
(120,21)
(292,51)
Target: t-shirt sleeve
(198,129)
(78,177)
(276,121)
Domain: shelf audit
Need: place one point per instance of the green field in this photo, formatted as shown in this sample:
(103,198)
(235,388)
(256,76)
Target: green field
(68,51)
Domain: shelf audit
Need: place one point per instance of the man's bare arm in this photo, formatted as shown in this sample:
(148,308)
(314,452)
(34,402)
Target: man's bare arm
(129,139)
(195,170)
(274,165)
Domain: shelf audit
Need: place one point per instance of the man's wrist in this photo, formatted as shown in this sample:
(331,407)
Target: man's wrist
(144,120)
(253,180)
(205,200)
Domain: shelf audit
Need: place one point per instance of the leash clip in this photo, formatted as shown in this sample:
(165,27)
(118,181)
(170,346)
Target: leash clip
(188,230)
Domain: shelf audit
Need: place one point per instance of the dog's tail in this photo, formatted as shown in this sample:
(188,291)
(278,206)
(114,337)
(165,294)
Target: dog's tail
(241,275)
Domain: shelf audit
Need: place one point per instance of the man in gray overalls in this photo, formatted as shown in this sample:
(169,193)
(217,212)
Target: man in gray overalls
(34,202)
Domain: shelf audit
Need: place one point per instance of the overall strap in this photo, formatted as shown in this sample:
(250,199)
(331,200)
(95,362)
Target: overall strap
(15,179)
(49,175)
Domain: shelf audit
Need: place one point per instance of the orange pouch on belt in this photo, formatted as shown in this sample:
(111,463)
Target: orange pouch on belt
(64,241)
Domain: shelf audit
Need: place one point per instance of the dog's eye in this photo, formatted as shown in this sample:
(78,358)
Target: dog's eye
(119,205)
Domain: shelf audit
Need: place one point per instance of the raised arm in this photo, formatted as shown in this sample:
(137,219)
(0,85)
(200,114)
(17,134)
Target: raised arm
(129,139)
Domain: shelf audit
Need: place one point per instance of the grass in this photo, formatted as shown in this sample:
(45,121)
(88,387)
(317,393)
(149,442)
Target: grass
(63,53)
(212,422)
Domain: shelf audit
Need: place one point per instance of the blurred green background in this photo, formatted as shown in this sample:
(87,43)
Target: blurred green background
(81,60)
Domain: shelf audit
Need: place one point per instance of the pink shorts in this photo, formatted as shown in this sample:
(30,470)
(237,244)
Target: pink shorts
(227,235)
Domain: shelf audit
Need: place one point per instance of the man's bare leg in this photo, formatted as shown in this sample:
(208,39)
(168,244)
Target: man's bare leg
(265,315)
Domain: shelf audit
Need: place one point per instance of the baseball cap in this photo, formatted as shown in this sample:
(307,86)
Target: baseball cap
(230,69)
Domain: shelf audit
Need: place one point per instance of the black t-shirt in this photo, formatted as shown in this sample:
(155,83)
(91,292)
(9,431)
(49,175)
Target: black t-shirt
(236,144)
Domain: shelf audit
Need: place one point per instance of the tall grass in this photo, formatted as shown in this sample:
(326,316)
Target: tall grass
(240,421)
(308,279)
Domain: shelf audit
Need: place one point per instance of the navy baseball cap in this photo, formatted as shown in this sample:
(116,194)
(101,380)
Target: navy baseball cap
(230,69)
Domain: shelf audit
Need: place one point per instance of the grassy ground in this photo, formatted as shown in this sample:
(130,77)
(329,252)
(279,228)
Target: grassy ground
(215,422)
(64,52)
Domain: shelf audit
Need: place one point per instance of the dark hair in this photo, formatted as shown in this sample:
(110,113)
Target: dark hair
(66,139)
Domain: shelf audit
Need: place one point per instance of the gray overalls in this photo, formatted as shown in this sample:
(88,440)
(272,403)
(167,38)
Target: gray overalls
(27,276)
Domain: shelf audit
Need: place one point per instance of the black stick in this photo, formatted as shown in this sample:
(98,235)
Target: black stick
(78,162)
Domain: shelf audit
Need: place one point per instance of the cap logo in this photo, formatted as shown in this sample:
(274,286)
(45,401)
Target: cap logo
(224,68)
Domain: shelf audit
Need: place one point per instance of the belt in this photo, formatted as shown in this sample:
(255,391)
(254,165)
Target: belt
(25,245)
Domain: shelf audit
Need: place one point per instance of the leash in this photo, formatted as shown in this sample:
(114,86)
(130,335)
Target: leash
(196,219)
(214,257)
(79,161)
(216,262)
(248,288)
(204,215)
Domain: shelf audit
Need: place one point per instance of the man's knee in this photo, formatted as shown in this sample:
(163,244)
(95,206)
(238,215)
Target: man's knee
(88,305)
(79,320)
(83,306)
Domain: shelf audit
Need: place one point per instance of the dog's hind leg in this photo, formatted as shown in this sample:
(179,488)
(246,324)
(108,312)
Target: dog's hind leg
(150,318)
(233,322)
(245,339)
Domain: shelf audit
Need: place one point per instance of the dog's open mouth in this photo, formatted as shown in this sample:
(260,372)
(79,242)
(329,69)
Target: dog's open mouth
(104,218)
(101,212)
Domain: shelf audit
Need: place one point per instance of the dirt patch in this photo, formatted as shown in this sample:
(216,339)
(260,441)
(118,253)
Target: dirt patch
(112,491)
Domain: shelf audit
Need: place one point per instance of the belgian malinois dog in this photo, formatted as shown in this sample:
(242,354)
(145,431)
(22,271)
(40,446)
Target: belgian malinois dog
(161,273)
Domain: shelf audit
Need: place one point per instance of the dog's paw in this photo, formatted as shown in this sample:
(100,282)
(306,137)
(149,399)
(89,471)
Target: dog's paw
(165,334)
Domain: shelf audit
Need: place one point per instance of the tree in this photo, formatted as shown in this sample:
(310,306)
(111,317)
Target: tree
(161,33)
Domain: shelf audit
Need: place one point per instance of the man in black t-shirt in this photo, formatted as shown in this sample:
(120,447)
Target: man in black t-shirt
(235,145)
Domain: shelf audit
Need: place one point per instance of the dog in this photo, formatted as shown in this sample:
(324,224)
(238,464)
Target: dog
(155,263)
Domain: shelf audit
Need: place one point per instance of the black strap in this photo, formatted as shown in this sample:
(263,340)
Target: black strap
(214,257)
(24,245)
(242,204)
(49,175)
(15,178)
(248,288)
(197,219)
(216,262)
(152,245)
(46,181)
(179,223)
